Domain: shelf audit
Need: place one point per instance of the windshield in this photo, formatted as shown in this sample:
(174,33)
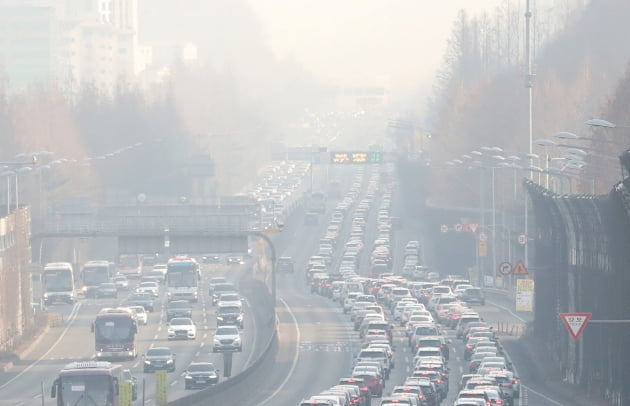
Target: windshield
(179,305)
(129,260)
(179,277)
(201,368)
(95,275)
(58,280)
(224,331)
(229,309)
(224,288)
(181,322)
(114,329)
(158,351)
(86,390)
(227,297)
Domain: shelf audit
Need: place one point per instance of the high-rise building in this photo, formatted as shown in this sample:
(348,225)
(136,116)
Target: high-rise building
(72,42)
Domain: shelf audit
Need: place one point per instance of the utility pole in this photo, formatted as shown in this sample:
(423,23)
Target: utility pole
(529,84)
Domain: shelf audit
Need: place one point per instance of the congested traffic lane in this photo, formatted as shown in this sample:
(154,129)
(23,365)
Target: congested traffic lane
(74,341)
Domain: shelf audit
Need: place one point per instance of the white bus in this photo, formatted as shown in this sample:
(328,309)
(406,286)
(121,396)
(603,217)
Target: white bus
(182,279)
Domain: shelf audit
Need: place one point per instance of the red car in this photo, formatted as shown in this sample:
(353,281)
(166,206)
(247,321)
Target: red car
(373,381)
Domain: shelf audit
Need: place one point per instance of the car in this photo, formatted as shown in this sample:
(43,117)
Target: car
(227,338)
(128,377)
(221,288)
(285,265)
(178,308)
(149,287)
(121,281)
(140,314)
(211,259)
(473,295)
(182,328)
(200,375)
(159,358)
(215,280)
(230,313)
(107,290)
(229,298)
(141,299)
(155,275)
(235,260)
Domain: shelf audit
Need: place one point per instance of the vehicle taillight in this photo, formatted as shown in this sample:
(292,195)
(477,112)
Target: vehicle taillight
(515,381)
(439,381)
(499,402)
(363,389)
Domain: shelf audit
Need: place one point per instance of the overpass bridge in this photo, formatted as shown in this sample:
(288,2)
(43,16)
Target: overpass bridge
(217,227)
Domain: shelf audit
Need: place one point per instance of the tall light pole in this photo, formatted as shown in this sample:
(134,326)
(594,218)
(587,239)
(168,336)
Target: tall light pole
(529,84)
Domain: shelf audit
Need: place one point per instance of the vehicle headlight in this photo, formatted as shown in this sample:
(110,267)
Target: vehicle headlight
(188,377)
(237,340)
(170,361)
(84,288)
(216,340)
(219,317)
(99,354)
(147,362)
(45,295)
(171,331)
(239,317)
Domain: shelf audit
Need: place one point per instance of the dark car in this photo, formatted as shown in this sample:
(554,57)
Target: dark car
(211,259)
(158,358)
(142,299)
(200,375)
(230,314)
(285,265)
(220,288)
(235,260)
(179,308)
(107,290)
(473,295)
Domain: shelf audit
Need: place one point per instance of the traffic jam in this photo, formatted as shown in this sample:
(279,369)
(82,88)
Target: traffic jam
(429,317)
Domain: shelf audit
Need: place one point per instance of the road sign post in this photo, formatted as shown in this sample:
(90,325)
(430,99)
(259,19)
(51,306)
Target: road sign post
(505,268)
(161,387)
(575,323)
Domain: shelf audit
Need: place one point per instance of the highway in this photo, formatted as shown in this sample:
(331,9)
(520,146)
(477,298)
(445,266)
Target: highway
(74,341)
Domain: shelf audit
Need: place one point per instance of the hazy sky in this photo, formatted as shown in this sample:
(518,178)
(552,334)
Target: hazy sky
(395,42)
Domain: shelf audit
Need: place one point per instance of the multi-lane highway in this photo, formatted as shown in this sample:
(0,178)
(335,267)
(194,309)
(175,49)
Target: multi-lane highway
(74,341)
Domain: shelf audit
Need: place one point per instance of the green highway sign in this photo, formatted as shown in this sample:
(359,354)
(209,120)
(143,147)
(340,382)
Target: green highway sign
(356,157)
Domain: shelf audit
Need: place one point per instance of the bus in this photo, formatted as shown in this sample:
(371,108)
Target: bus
(115,331)
(93,274)
(182,279)
(92,383)
(317,203)
(130,265)
(58,283)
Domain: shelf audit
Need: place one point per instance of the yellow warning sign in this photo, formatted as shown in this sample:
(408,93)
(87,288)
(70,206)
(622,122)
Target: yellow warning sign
(125,391)
(161,396)
(483,248)
(520,269)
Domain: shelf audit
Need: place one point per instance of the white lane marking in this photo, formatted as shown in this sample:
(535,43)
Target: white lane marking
(548,399)
(202,344)
(174,382)
(197,353)
(155,337)
(39,395)
(159,328)
(71,319)
(136,365)
(295,358)
(461,369)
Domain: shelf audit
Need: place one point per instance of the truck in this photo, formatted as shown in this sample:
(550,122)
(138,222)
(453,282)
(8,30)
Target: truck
(316,203)
(93,274)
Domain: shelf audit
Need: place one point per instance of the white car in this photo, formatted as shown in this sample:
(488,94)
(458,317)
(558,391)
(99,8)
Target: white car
(141,314)
(121,281)
(227,338)
(149,287)
(182,328)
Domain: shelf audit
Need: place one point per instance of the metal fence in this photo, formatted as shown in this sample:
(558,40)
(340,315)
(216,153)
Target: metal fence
(581,260)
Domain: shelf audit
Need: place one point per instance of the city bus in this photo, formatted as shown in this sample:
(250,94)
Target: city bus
(92,383)
(317,203)
(182,279)
(115,331)
(130,265)
(93,274)
(58,283)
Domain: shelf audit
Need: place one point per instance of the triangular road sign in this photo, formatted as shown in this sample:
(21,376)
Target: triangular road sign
(520,269)
(575,322)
